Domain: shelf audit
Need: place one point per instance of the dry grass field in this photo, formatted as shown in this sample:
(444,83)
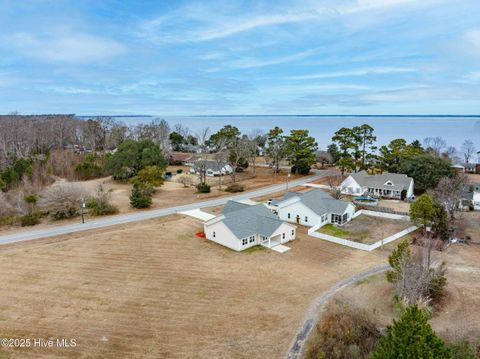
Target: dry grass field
(154,290)
(458,316)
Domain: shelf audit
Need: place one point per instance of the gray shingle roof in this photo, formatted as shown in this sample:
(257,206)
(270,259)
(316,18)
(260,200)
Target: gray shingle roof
(400,181)
(319,201)
(208,165)
(245,220)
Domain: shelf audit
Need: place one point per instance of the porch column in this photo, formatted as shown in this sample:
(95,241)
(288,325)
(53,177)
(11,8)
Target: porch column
(269,244)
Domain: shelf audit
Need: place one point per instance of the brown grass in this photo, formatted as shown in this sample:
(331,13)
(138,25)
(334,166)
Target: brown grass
(458,315)
(152,289)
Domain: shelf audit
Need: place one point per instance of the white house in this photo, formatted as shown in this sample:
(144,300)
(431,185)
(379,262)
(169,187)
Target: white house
(312,208)
(471,196)
(388,185)
(211,168)
(241,226)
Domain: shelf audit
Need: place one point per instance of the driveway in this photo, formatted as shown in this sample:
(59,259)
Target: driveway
(198,214)
(140,216)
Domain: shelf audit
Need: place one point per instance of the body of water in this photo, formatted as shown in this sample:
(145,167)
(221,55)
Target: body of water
(454,129)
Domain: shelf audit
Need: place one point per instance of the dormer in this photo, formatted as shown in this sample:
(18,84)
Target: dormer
(389,183)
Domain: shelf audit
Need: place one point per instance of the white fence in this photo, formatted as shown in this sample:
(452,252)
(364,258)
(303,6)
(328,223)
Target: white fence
(365,247)
(367,212)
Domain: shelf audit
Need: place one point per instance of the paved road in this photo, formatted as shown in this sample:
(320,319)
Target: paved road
(132,217)
(298,345)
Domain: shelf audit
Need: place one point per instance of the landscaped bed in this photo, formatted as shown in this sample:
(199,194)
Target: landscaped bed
(365,229)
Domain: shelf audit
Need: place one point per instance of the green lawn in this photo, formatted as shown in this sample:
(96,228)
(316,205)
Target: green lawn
(357,236)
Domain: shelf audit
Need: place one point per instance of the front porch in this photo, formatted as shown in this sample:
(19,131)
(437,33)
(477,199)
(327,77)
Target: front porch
(383,192)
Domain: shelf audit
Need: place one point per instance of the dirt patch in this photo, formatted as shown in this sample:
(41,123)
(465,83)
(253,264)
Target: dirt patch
(365,229)
(396,205)
(153,289)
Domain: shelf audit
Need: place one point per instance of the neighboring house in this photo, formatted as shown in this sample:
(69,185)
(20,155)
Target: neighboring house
(471,197)
(211,168)
(180,158)
(241,226)
(467,167)
(312,208)
(388,185)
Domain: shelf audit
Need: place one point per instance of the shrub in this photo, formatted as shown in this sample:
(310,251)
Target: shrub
(7,220)
(203,188)
(462,350)
(99,204)
(343,332)
(88,170)
(141,197)
(235,187)
(30,219)
(149,176)
(62,200)
(179,171)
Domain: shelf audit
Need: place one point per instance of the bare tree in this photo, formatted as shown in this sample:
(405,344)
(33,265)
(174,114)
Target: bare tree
(468,150)
(238,152)
(253,141)
(63,200)
(417,280)
(220,157)
(449,193)
(200,166)
(5,206)
(323,157)
(435,144)
(156,130)
(334,184)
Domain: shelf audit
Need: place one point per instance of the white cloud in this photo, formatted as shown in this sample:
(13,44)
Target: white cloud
(358,72)
(205,23)
(65,46)
(251,62)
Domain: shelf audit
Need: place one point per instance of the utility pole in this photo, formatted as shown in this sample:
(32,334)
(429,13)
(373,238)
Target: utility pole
(82,207)
(288,176)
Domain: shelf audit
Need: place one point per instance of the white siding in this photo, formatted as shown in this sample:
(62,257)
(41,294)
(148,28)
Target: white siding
(223,236)
(476,200)
(350,186)
(410,190)
(286,229)
(300,209)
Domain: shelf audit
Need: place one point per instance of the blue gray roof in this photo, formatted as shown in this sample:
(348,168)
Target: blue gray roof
(319,201)
(245,220)
(399,181)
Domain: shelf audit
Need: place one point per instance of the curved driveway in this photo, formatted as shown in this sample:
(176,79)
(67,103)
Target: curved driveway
(139,216)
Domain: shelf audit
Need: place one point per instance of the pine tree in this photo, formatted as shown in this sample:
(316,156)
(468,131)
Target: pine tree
(141,197)
(411,337)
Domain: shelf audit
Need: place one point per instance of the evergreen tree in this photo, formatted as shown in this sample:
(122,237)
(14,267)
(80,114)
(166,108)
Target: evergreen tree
(300,148)
(411,337)
(141,197)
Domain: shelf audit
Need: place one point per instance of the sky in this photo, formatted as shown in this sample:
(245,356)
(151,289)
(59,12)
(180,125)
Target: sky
(240,57)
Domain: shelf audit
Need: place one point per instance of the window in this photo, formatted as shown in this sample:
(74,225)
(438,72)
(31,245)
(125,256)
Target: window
(283,236)
(288,216)
(306,219)
(293,232)
(252,239)
(244,241)
(213,234)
